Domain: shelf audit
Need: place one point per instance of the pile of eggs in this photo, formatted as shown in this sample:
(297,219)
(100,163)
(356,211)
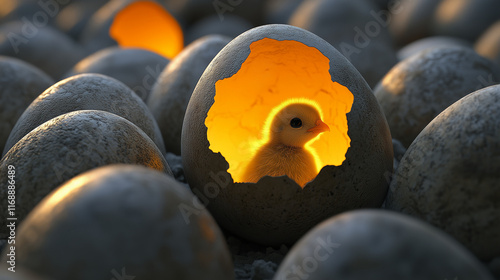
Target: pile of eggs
(363,135)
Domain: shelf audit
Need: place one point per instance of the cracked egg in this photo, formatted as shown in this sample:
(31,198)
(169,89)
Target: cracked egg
(282,132)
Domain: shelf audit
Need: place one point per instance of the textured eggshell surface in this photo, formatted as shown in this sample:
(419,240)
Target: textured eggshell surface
(378,245)
(122,217)
(20,84)
(171,93)
(419,88)
(449,175)
(87,92)
(68,145)
(277,210)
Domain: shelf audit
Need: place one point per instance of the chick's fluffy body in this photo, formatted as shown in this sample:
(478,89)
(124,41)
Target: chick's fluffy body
(278,160)
(285,153)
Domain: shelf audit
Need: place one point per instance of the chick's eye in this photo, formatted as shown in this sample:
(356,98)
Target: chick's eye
(296,123)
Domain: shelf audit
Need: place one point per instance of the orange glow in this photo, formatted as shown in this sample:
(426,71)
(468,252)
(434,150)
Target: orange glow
(147,25)
(276,74)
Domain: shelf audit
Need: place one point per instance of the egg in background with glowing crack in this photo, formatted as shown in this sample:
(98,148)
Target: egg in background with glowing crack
(233,114)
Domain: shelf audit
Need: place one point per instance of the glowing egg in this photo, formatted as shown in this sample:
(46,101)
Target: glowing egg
(378,245)
(86,92)
(66,146)
(147,25)
(121,220)
(230,115)
(449,174)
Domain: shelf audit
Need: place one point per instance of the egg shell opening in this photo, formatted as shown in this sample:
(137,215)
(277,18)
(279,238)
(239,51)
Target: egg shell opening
(276,210)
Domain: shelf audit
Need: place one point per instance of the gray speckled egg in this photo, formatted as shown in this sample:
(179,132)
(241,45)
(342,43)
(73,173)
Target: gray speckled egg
(170,95)
(378,245)
(417,89)
(137,68)
(86,92)
(351,27)
(66,146)
(122,219)
(44,47)
(449,174)
(277,210)
(20,84)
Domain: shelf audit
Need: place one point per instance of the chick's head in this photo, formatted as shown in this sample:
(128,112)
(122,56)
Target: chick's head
(296,124)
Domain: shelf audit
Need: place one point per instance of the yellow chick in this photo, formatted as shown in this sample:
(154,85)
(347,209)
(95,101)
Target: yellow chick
(284,154)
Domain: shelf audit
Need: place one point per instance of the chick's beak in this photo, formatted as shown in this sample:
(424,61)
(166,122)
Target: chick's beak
(320,127)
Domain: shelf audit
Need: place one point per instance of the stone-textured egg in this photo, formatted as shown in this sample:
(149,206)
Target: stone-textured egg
(488,45)
(450,175)
(170,94)
(44,47)
(252,77)
(20,84)
(419,88)
(350,26)
(122,220)
(430,43)
(465,19)
(137,68)
(378,245)
(66,146)
(86,92)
